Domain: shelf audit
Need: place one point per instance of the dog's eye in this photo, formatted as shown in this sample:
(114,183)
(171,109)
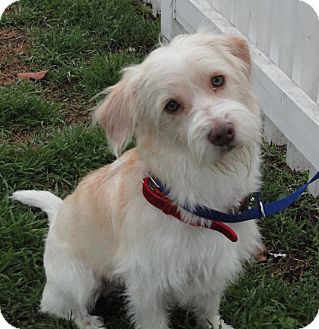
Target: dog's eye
(218,81)
(172,106)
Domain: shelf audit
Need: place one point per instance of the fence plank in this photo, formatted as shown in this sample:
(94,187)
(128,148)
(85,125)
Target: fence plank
(295,159)
(306,53)
(190,18)
(284,14)
(314,187)
(232,11)
(272,134)
(242,16)
(167,14)
(225,9)
(276,31)
(210,2)
(216,4)
(253,22)
(264,10)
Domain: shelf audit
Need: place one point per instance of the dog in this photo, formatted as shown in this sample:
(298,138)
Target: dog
(198,128)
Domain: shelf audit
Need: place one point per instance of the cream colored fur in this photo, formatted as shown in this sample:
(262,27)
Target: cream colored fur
(106,230)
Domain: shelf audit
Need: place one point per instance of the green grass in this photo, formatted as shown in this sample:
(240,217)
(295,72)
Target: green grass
(23,108)
(47,142)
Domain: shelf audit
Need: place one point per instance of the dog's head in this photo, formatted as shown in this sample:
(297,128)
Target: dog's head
(193,94)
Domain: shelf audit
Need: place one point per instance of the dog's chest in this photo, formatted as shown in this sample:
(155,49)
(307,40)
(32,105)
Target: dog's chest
(179,259)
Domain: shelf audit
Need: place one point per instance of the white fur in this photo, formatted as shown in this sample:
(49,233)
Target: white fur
(45,200)
(106,230)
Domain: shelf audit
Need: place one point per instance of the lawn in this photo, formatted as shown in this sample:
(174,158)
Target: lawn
(47,142)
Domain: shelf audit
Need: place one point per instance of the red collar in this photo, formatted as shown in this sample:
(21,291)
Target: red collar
(159,200)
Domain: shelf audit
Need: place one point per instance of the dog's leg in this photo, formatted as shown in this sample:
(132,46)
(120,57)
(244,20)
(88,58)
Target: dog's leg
(56,302)
(146,307)
(71,289)
(207,312)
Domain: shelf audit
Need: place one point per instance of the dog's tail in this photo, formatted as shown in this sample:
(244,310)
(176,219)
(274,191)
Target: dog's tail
(45,200)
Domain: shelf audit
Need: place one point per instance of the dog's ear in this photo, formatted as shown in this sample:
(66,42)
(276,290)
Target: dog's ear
(238,47)
(116,114)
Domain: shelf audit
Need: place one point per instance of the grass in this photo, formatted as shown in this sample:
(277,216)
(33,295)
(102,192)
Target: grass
(47,142)
(14,101)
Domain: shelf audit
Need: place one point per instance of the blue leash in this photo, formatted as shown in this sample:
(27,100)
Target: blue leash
(263,210)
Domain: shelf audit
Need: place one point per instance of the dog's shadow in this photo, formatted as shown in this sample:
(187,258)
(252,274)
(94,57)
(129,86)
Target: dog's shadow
(113,310)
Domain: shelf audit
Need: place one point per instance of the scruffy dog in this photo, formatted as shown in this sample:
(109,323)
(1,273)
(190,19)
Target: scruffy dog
(197,128)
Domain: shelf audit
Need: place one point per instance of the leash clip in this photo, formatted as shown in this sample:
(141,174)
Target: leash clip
(261,205)
(262,209)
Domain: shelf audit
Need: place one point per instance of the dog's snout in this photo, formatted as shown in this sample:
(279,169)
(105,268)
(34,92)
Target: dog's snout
(222,133)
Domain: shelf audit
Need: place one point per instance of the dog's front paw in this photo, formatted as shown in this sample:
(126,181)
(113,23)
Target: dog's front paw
(90,322)
(224,325)
(218,323)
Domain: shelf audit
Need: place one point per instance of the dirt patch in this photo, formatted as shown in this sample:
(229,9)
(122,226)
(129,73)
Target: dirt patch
(292,268)
(14,58)
(77,117)
(21,137)
(14,51)
(75,107)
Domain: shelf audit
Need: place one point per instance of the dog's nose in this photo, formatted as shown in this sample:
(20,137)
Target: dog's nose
(223,133)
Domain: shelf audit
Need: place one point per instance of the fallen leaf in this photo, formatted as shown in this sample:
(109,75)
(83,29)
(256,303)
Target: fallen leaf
(262,253)
(33,75)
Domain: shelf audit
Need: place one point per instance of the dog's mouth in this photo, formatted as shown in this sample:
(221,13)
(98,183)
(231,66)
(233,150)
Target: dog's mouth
(226,148)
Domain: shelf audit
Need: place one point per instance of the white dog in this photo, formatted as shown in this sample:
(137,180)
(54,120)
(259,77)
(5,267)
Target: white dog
(198,130)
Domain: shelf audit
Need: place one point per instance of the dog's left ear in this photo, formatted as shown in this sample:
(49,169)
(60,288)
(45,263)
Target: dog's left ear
(116,113)
(238,47)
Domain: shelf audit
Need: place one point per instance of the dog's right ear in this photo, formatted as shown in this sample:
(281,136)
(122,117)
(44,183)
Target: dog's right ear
(116,114)
(239,48)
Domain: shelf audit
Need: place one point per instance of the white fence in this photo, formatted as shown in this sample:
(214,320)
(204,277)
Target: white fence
(284,40)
